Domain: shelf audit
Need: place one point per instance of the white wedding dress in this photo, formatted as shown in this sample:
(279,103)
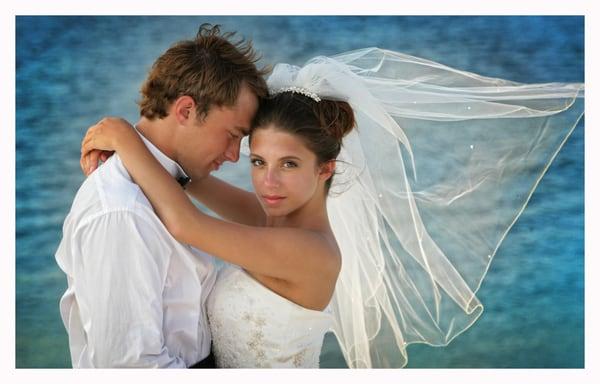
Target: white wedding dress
(254,327)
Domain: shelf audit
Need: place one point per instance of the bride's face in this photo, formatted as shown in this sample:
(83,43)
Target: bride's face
(285,173)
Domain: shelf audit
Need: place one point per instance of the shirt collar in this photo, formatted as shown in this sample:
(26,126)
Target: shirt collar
(171,166)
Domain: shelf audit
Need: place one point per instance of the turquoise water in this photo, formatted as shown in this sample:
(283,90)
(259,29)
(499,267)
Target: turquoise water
(71,71)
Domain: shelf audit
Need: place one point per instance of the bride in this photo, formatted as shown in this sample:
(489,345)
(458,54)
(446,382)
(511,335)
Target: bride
(382,233)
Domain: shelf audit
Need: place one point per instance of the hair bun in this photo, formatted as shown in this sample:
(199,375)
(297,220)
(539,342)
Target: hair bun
(336,117)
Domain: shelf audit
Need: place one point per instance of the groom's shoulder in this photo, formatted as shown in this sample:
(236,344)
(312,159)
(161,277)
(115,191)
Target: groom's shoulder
(109,189)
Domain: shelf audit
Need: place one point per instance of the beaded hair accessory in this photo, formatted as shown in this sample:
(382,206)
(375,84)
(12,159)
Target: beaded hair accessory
(302,91)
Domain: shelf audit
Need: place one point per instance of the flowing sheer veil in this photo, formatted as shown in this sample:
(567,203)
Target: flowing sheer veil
(440,166)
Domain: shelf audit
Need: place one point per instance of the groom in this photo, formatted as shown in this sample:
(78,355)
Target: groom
(136,297)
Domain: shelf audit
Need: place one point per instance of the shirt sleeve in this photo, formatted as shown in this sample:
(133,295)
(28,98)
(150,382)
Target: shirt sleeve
(122,267)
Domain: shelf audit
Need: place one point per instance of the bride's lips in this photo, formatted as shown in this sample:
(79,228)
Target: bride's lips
(272,199)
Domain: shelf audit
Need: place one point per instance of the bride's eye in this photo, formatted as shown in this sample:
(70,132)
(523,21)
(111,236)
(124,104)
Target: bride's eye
(256,162)
(289,164)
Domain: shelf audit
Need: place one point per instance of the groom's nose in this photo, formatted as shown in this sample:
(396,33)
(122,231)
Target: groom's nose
(233,151)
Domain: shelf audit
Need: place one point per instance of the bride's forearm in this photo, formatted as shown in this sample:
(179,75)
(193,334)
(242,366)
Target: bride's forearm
(169,201)
(226,200)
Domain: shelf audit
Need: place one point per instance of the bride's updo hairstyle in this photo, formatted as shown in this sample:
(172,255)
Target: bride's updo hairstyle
(320,124)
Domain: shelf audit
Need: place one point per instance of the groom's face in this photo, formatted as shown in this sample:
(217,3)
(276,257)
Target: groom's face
(216,139)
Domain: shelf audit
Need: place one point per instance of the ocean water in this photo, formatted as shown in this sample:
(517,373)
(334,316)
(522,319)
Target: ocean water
(71,71)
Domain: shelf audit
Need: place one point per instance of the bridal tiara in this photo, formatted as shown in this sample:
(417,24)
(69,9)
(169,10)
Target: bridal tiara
(302,91)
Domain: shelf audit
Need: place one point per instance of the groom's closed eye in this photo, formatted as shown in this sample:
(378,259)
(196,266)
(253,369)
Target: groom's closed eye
(243,131)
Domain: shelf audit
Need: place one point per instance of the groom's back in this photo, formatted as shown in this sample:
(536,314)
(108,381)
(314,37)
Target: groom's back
(135,294)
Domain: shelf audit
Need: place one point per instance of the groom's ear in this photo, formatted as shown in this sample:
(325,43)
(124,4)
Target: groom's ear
(184,109)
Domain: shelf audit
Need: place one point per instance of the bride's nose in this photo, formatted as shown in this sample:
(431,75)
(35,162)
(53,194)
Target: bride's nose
(272,177)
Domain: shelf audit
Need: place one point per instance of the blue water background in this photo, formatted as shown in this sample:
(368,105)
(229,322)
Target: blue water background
(71,71)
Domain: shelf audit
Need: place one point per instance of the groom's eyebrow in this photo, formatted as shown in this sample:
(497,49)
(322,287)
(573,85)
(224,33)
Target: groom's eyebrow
(245,131)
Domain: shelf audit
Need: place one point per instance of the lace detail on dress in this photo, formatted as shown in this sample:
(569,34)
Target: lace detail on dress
(256,342)
(253,327)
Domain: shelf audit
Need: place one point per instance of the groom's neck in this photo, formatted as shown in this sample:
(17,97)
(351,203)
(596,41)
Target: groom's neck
(160,133)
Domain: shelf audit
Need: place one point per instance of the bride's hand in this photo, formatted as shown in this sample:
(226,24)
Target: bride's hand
(102,140)
(91,160)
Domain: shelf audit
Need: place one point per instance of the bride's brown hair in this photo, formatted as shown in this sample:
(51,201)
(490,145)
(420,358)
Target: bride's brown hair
(320,124)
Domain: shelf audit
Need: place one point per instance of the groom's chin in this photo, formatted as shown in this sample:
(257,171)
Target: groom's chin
(200,173)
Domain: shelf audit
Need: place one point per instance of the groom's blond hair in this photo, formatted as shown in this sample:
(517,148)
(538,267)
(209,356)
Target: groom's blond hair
(210,68)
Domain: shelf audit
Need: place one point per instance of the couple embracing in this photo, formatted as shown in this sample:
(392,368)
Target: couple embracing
(320,243)
(143,288)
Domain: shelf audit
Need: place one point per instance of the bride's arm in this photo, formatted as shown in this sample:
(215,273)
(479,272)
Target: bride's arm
(290,254)
(226,200)
(229,202)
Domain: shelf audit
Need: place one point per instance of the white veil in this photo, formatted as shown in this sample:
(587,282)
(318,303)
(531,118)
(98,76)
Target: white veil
(439,168)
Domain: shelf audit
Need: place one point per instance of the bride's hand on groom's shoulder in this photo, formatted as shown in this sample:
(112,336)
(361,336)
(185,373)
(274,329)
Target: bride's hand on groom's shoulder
(91,160)
(100,141)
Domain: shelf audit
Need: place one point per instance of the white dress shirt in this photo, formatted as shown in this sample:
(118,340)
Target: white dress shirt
(136,297)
